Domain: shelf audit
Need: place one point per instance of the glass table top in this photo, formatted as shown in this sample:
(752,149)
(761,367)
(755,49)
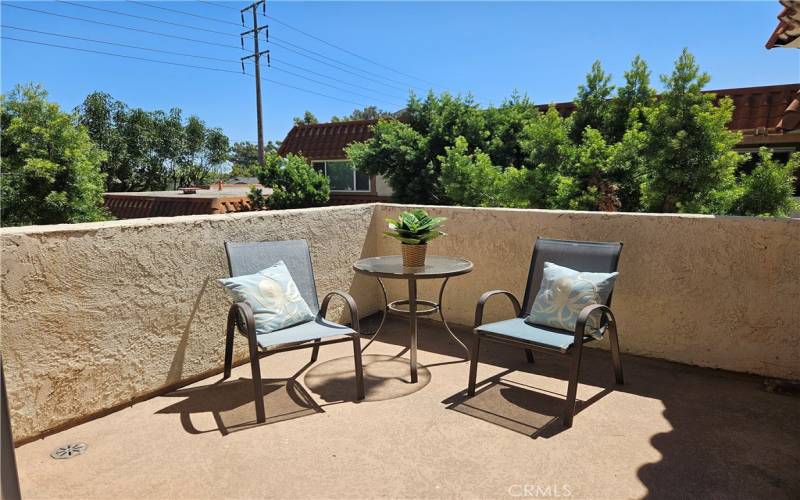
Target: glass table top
(391,266)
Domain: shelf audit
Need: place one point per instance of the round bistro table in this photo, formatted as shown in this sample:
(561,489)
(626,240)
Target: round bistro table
(391,267)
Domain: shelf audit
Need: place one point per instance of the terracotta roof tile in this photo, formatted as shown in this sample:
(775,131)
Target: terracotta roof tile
(325,141)
(787,32)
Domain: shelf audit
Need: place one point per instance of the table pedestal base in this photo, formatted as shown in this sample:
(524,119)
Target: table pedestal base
(413,312)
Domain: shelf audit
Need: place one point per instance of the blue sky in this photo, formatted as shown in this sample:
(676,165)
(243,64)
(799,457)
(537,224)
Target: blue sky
(489,49)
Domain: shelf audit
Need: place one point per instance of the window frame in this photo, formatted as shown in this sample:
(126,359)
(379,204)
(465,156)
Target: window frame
(324,163)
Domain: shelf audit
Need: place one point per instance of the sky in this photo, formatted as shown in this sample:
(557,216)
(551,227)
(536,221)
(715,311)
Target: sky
(542,49)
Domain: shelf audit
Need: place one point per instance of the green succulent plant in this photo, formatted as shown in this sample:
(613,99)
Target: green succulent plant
(415,227)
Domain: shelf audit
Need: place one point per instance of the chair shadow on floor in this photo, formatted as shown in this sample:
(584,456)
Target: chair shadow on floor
(230,404)
(528,410)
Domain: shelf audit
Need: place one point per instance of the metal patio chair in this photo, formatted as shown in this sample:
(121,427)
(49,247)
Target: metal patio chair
(249,258)
(581,256)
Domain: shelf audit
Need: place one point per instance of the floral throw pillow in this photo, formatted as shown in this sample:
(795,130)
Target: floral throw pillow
(274,296)
(565,292)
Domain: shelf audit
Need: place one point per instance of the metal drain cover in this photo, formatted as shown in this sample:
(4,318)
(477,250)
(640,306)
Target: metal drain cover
(69,450)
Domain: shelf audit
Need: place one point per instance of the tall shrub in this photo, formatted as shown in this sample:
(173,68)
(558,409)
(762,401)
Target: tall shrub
(50,167)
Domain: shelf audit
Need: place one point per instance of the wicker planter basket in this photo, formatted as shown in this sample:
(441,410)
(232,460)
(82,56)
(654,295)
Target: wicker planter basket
(413,255)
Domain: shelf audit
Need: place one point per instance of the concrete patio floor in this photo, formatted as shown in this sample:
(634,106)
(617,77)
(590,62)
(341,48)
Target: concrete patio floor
(672,431)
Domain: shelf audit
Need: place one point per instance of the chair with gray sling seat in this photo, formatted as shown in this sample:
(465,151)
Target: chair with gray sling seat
(249,258)
(580,256)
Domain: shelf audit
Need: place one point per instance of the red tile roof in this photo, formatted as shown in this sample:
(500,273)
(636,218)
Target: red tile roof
(762,114)
(768,108)
(787,33)
(325,141)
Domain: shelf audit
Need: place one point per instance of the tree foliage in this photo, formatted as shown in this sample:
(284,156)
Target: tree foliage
(294,183)
(151,150)
(308,118)
(691,163)
(621,149)
(367,113)
(50,168)
(768,189)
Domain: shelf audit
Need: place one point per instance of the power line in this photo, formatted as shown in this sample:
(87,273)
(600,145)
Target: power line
(279,44)
(171,63)
(168,9)
(334,86)
(121,27)
(326,63)
(297,47)
(344,63)
(119,44)
(217,4)
(348,51)
(368,89)
(151,19)
(178,53)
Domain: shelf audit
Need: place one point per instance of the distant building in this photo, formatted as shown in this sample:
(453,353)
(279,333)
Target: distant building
(243,180)
(323,146)
(766,116)
(190,201)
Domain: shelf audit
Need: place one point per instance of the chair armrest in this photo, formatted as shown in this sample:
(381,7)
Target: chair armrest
(485,298)
(586,312)
(351,304)
(241,314)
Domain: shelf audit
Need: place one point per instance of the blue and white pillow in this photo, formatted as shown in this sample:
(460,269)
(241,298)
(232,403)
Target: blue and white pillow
(274,296)
(565,292)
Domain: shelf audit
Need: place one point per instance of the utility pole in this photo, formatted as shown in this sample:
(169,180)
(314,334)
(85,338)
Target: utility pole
(256,55)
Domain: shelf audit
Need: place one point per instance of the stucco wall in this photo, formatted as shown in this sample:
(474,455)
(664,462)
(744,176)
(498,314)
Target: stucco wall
(720,292)
(95,315)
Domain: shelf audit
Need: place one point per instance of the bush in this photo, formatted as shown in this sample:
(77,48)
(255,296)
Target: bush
(51,169)
(769,187)
(294,183)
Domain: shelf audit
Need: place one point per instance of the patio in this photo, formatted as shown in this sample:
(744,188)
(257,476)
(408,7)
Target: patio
(671,432)
(126,353)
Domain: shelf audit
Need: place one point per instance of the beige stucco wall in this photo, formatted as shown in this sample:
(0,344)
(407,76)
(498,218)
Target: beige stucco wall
(720,292)
(95,315)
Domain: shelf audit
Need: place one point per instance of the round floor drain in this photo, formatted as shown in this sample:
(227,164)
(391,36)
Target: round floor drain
(69,450)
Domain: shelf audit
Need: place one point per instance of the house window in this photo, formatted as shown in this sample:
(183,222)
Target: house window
(342,175)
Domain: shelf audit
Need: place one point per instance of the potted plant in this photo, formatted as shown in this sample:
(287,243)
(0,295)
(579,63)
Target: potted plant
(414,230)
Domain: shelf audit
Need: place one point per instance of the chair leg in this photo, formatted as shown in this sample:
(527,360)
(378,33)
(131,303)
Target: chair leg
(572,390)
(315,350)
(529,355)
(258,390)
(615,357)
(473,364)
(229,334)
(359,367)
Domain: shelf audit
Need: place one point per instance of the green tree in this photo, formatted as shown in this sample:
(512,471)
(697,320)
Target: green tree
(399,153)
(627,108)
(244,157)
(308,118)
(626,169)
(367,113)
(549,152)
(51,169)
(471,179)
(593,106)
(504,125)
(690,159)
(294,183)
(769,188)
